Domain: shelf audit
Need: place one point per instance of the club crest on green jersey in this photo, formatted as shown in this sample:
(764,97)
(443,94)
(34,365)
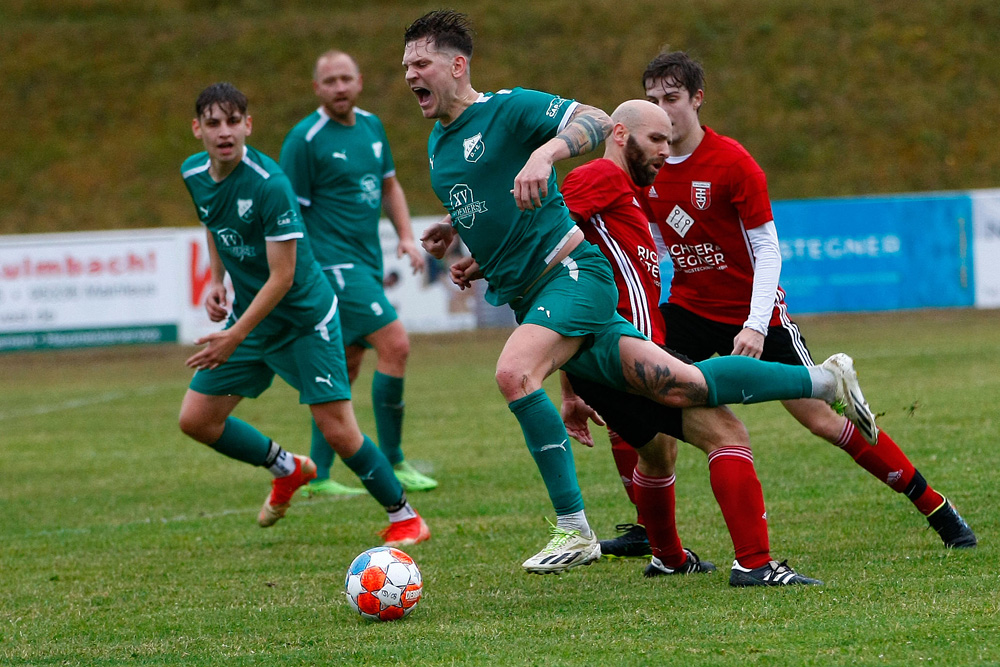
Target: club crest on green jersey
(377,150)
(464,206)
(473,147)
(243,207)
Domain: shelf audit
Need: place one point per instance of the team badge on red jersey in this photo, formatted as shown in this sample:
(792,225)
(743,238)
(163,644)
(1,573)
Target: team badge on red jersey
(701,194)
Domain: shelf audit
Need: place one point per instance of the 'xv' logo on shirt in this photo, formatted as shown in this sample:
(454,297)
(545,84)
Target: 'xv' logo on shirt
(464,206)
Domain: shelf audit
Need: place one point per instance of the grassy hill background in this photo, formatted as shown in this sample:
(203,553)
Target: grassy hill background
(840,97)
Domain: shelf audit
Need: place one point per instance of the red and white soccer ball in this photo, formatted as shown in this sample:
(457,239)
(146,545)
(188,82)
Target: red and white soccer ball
(383,584)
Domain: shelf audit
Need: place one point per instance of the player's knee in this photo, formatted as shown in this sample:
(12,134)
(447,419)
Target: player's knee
(513,383)
(197,428)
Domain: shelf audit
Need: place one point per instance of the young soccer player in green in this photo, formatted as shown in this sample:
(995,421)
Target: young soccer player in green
(283,320)
(491,160)
(340,166)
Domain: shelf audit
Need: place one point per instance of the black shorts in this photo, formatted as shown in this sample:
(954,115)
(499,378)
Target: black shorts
(635,418)
(699,338)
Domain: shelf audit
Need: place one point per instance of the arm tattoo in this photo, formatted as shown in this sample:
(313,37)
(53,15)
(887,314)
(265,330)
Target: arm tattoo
(586,130)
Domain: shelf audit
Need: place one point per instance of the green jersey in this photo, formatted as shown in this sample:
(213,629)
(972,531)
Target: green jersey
(337,172)
(473,163)
(251,206)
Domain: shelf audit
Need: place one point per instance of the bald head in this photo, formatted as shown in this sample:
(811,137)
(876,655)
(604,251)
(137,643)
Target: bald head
(640,140)
(634,114)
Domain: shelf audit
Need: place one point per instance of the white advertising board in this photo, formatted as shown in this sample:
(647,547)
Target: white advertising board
(986,247)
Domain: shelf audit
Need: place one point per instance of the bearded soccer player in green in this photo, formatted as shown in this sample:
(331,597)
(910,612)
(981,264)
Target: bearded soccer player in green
(283,320)
(491,162)
(340,165)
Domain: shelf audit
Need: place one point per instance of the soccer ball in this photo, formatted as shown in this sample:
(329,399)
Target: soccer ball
(383,584)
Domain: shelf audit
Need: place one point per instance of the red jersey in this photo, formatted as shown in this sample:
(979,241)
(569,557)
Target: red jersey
(703,208)
(604,197)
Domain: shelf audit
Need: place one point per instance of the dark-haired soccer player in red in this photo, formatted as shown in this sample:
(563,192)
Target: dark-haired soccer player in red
(602,197)
(711,206)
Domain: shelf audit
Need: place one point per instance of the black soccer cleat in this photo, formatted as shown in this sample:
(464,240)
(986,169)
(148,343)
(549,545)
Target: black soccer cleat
(949,524)
(769,574)
(632,543)
(691,565)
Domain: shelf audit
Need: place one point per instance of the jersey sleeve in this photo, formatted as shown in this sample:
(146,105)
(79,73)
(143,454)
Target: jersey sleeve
(535,116)
(279,210)
(749,193)
(588,191)
(296,162)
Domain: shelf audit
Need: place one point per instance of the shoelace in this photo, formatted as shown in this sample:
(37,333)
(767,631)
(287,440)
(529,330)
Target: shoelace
(560,536)
(625,527)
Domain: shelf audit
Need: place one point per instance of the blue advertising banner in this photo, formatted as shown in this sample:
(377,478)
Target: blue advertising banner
(885,253)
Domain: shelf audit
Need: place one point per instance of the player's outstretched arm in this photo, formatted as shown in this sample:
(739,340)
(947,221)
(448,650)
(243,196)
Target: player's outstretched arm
(586,129)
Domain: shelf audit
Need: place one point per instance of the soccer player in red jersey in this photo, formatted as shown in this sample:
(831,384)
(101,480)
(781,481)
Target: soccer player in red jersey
(602,197)
(711,206)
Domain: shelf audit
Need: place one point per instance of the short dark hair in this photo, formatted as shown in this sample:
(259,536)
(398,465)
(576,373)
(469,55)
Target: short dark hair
(447,28)
(678,67)
(225,94)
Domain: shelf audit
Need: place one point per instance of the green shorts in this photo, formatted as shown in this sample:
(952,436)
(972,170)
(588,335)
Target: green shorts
(363,306)
(312,363)
(579,298)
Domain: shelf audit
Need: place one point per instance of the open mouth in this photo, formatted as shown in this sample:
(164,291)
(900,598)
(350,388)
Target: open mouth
(423,95)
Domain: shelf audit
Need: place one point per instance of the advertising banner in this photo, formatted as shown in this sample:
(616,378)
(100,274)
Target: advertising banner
(77,290)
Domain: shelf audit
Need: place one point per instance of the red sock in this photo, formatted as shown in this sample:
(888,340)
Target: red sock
(654,497)
(738,492)
(625,459)
(887,462)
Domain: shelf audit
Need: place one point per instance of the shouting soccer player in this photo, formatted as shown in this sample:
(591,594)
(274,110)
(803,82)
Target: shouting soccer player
(491,160)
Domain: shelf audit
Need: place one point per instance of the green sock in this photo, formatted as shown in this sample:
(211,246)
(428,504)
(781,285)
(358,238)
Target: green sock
(387,403)
(241,441)
(374,471)
(737,379)
(546,437)
(321,453)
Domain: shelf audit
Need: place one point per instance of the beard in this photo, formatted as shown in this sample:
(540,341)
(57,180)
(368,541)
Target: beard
(641,170)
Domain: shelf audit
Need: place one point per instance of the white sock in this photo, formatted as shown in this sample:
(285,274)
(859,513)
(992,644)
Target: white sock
(574,521)
(824,384)
(402,514)
(284,465)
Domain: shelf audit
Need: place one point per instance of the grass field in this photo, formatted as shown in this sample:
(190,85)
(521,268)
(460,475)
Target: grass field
(122,542)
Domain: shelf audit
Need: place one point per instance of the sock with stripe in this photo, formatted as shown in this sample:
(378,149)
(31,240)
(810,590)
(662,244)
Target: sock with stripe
(625,458)
(736,379)
(655,500)
(546,438)
(738,493)
(375,473)
(387,404)
(887,462)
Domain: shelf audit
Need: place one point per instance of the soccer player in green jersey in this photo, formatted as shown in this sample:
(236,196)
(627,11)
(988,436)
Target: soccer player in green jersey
(491,161)
(340,166)
(283,320)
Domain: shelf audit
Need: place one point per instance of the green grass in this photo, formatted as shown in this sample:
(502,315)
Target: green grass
(122,542)
(841,97)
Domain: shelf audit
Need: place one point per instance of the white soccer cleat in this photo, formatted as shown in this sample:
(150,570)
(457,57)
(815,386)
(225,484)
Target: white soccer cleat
(566,549)
(850,400)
